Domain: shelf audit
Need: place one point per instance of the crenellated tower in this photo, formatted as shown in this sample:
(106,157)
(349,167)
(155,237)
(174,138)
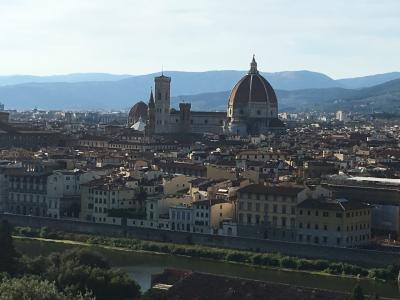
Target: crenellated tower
(184,116)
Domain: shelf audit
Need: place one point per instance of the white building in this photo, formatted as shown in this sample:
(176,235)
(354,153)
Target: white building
(63,194)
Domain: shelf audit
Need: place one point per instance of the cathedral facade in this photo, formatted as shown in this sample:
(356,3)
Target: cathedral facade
(252,110)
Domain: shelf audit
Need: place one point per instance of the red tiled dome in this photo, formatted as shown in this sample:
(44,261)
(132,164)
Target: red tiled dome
(139,110)
(252,88)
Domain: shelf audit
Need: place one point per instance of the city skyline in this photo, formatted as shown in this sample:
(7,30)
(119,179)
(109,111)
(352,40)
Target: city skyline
(340,39)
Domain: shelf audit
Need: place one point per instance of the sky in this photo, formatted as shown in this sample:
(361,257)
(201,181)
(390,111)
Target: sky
(341,38)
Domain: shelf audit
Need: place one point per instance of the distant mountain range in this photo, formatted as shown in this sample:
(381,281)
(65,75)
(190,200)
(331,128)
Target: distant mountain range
(297,90)
(380,98)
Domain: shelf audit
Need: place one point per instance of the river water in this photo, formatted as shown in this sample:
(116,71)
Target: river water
(141,265)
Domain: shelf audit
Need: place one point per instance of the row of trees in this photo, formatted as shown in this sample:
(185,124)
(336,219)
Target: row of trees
(249,257)
(74,274)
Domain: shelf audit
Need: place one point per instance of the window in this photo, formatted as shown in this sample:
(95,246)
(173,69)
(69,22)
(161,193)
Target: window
(249,206)
(316,227)
(248,218)
(258,112)
(300,225)
(257,206)
(265,207)
(339,215)
(325,214)
(325,227)
(284,209)
(275,208)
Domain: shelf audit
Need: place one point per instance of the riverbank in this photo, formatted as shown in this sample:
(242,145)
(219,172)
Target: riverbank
(84,244)
(141,265)
(257,259)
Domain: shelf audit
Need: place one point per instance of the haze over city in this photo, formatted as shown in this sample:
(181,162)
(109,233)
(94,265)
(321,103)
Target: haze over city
(338,38)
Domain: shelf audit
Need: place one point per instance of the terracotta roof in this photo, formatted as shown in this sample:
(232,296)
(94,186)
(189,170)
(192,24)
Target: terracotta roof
(252,88)
(337,204)
(283,190)
(139,110)
(207,286)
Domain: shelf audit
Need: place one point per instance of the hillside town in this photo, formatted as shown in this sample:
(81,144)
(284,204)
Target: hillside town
(327,179)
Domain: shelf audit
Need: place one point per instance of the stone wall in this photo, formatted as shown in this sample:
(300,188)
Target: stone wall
(357,256)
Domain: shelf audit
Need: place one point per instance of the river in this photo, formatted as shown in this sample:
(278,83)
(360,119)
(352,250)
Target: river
(141,265)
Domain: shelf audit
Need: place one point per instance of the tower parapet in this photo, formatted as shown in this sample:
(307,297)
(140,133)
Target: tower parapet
(184,114)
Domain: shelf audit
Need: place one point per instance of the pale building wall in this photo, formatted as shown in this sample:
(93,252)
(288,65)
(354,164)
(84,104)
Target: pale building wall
(215,172)
(220,212)
(176,184)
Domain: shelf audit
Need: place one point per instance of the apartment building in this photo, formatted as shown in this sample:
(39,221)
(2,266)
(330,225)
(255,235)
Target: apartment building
(338,222)
(100,196)
(269,211)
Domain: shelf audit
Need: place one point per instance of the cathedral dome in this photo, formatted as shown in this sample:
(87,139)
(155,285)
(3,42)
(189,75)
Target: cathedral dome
(138,111)
(252,88)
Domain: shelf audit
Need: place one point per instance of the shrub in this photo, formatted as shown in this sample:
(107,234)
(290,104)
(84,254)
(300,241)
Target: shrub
(236,256)
(320,264)
(288,262)
(305,264)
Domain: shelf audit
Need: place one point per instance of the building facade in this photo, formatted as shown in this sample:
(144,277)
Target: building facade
(337,223)
(252,110)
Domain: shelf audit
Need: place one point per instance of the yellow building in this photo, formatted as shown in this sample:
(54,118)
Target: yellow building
(269,211)
(339,222)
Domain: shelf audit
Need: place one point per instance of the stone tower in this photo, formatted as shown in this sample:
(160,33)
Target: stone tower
(151,122)
(184,114)
(162,103)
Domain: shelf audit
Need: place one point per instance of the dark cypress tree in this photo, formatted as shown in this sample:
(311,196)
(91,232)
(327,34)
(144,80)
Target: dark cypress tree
(8,254)
(358,293)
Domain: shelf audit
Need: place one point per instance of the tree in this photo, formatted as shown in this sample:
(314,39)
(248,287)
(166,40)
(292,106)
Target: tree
(358,293)
(33,288)
(80,269)
(9,256)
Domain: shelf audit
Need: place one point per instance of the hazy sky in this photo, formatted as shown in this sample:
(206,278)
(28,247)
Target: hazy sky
(341,38)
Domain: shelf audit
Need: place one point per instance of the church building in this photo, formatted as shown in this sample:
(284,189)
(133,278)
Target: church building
(252,110)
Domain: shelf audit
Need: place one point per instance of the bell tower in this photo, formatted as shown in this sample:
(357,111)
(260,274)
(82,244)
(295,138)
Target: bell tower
(162,103)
